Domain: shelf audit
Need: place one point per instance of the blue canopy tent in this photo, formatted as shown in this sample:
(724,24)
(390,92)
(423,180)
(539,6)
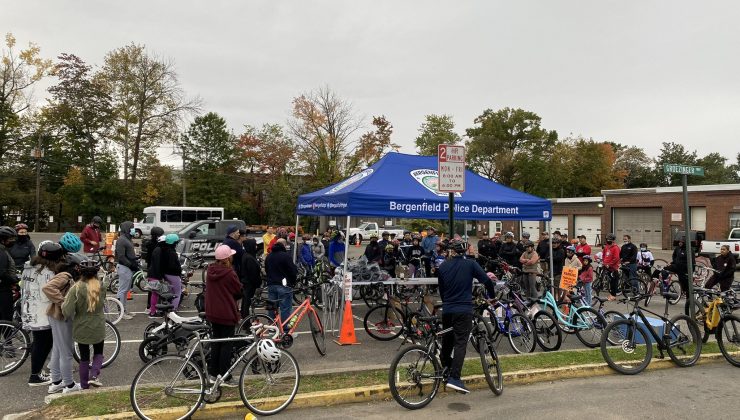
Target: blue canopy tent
(401,185)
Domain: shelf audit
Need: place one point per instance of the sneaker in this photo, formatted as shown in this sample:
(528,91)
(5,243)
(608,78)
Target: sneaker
(128,316)
(54,388)
(94,381)
(38,380)
(230,383)
(74,387)
(211,379)
(457,385)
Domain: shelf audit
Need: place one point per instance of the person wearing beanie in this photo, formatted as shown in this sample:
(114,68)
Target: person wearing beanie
(232,240)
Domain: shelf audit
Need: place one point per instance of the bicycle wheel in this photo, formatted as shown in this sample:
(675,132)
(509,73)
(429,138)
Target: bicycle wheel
(204,273)
(150,327)
(414,377)
(113,309)
(684,343)
(111,279)
(520,332)
(245,325)
(675,287)
(167,387)
(150,349)
(728,338)
(633,351)
(15,345)
(268,388)
(491,366)
(592,325)
(111,346)
(317,332)
(611,316)
(548,334)
(383,323)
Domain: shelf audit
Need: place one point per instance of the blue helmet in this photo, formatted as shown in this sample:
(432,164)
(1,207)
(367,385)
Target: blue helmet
(70,242)
(171,239)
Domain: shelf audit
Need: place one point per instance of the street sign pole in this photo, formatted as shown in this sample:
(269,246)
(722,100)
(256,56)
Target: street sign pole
(687,241)
(452,215)
(451,176)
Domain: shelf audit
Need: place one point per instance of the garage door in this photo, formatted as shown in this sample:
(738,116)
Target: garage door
(589,226)
(533,228)
(642,224)
(560,223)
(698,218)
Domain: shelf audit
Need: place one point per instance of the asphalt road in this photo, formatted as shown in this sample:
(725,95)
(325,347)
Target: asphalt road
(21,397)
(704,391)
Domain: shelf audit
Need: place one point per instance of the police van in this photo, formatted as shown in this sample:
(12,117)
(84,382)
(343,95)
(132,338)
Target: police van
(206,235)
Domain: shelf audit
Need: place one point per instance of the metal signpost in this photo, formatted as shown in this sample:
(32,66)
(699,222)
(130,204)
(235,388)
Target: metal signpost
(684,171)
(451,170)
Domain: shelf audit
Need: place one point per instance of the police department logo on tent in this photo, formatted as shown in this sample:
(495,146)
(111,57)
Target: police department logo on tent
(351,180)
(429,178)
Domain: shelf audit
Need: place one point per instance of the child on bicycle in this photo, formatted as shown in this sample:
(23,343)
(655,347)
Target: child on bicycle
(84,305)
(586,277)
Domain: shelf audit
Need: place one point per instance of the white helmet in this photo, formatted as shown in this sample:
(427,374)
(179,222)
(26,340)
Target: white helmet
(42,243)
(268,351)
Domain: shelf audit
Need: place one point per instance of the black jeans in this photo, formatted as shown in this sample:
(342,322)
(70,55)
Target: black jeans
(461,324)
(614,282)
(6,305)
(85,350)
(220,352)
(724,284)
(40,349)
(248,291)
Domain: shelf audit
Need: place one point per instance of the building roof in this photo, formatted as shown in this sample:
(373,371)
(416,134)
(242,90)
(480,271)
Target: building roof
(577,200)
(667,190)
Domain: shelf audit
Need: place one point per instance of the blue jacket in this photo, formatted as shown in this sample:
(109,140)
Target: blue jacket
(428,243)
(456,284)
(336,249)
(236,246)
(307,255)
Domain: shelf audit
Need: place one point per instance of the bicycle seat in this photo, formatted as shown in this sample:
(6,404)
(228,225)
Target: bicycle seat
(166,296)
(670,295)
(194,326)
(164,306)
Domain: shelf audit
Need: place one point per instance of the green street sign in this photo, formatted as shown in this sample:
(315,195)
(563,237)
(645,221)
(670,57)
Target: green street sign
(674,168)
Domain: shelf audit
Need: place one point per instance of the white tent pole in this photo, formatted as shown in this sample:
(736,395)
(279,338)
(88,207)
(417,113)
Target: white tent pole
(346,244)
(552,268)
(295,245)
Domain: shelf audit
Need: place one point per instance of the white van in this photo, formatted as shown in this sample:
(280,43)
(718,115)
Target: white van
(172,219)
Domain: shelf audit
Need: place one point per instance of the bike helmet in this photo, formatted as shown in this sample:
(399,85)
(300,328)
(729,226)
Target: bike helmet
(571,249)
(389,248)
(48,250)
(70,242)
(20,226)
(74,258)
(588,257)
(7,232)
(89,268)
(385,233)
(171,239)
(509,235)
(157,232)
(268,351)
(611,237)
(98,220)
(457,245)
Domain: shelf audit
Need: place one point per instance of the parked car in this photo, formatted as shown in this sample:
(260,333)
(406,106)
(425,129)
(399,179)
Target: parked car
(206,235)
(366,229)
(711,248)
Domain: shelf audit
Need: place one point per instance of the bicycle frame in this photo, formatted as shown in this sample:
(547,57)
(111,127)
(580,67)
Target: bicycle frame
(549,300)
(637,311)
(301,311)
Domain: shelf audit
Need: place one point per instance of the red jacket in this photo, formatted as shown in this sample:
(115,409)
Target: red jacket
(582,250)
(611,257)
(90,234)
(222,291)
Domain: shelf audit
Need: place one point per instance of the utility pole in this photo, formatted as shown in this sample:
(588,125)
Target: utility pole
(38,153)
(182,180)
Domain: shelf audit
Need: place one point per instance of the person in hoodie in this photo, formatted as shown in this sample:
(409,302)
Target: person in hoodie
(23,249)
(92,238)
(250,275)
(171,268)
(336,249)
(318,249)
(222,293)
(307,253)
(281,278)
(153,257)
(232,240)
(509,251)
(127,263)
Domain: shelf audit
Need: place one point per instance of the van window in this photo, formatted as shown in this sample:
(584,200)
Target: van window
(148,218)
(218,214)
(189,216)
(203,214)
(172,216)
(206,229)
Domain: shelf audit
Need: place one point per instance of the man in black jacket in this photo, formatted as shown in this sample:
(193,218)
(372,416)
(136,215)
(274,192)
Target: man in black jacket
(456,291)
(628,257)
(250,275)
(128,263)
(8,275)
(680,265)
(232,240)
(281,277)
(543,251)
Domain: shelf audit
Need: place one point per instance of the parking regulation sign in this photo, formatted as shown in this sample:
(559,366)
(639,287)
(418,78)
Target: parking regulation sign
(451,168)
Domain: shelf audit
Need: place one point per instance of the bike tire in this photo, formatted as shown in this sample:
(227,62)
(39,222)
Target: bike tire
(548,333)
(520,332)
(728,338)
(317,332)
(675,287)
(639,354)
(15,346)
(244,327)
(595,325)
(113,309)
(149,349)
(414,371)
(112,337)
(383,323)
(684,348)
(491,366)
(149,391)
(611,316)
(149,327)
(278,381)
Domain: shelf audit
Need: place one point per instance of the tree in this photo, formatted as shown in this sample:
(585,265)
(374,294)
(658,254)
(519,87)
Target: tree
(208,144)
(636,165)
(435,130)
(716,170)
(373,145)
(672,153)
(148,102)
(592,168)
(322,125)
(505,139)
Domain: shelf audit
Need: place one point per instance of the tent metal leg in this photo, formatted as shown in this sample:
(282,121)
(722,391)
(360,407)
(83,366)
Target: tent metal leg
(295,244)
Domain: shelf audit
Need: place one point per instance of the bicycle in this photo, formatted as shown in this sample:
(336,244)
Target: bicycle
(584,321)
(716,316)
(159,336)
(107,262)
(656,284)
(180,384)
(678,336)
(15,346)
(111,347)
(416,372)
(515,326)
(547,333)
(388,321)
(113,309)
(288,326)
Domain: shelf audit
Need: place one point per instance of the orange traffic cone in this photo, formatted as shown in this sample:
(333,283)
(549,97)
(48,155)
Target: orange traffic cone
(347,332)
(129,296)
(357,241)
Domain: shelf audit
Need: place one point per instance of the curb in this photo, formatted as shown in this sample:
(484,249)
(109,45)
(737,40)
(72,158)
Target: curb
(382,392)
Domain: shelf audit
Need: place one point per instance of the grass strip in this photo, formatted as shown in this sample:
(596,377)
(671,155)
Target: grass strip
(96,404)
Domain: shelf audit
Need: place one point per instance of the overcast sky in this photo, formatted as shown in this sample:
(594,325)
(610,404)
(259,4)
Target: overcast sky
(638,73)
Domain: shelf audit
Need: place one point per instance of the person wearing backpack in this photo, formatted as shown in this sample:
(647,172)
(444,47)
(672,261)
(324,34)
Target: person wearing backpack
(84,306)
(250,275)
